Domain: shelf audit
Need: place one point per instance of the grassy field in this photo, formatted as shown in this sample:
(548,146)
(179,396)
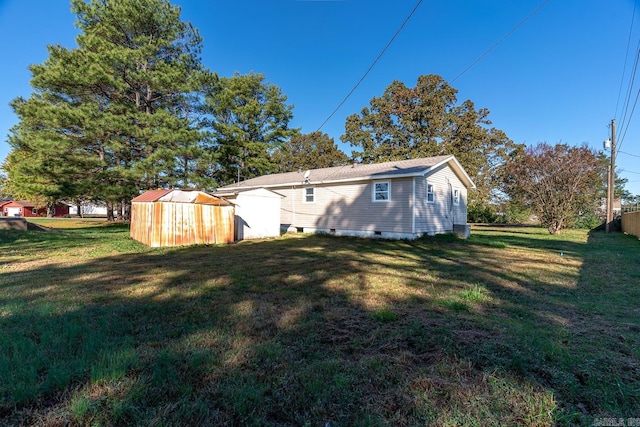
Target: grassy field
(510,327)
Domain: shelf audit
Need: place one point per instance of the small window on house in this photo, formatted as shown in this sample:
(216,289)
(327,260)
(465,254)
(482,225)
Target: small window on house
(431,193)
(34,211)
(309,195)
(456,197)
(381,191)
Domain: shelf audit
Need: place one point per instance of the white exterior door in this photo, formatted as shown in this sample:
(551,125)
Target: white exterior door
(13,211)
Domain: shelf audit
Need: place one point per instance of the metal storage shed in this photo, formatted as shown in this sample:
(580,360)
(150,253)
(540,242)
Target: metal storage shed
(257,213)
(161,218)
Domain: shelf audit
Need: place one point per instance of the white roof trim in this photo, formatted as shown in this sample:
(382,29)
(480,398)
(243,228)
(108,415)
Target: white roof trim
(237,191)
(456,167)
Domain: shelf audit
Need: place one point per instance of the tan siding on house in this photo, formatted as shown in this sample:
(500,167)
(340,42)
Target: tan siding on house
(350,206)
(439,217)
(343,198)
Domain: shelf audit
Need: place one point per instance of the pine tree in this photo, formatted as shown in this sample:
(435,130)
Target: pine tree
(250,119)
(122,109)
(309,151)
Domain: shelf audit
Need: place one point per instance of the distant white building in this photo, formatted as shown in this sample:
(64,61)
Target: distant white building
(617,207)
(88,208)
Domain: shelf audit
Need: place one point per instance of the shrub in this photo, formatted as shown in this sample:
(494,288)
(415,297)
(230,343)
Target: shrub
(587,220)
(481,214)
(515,214)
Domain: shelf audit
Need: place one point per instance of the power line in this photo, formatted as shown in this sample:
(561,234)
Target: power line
(536,10)
(629,121)
(626,57)
(624,123)
(624,170)
(628,154)
(630,89)
(371,66)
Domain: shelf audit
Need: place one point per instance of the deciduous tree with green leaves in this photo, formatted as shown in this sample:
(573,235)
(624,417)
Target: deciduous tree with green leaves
(309,151)
(424,121)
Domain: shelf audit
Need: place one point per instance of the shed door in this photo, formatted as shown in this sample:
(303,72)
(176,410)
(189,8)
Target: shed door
(13,211)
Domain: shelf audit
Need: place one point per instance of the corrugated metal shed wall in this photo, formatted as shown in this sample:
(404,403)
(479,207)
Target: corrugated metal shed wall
(161,224)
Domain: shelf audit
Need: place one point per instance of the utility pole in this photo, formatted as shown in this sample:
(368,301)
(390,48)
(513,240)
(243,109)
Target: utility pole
(612,177)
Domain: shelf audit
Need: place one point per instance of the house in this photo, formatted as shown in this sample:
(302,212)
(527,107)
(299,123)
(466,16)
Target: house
(257,212)
(89,208)
(399,199)
(24,208)
(161,218)
(616,208)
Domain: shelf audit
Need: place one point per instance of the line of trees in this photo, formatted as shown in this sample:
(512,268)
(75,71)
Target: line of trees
(133,108)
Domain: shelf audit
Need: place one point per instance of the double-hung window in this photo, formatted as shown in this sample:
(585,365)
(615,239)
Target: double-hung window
(431,193)
(456,197)
(381,191)
(309,195)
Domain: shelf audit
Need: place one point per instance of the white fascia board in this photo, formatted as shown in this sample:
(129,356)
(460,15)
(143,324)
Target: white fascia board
(336,181)
(457,168)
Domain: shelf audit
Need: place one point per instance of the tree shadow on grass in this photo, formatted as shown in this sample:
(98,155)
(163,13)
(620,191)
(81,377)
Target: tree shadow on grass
(299,331)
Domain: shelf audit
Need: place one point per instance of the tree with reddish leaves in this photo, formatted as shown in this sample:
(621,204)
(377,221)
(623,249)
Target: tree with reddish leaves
(555,182)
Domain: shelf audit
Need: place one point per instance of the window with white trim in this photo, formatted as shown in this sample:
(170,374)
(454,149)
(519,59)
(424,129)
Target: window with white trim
(456,197)
(34,211)
(381,191)
(309,195)
(431,193)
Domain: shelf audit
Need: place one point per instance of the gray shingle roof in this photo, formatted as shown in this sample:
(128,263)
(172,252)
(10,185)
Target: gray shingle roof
(354,172)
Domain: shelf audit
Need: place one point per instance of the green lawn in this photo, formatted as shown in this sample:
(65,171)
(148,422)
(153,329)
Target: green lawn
(510,327)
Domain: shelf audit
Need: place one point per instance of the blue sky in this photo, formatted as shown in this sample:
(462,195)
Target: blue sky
(557,78)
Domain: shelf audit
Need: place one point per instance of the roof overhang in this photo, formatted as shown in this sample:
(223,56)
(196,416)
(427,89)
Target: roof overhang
(455,165)
(234,192)
(451,160)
